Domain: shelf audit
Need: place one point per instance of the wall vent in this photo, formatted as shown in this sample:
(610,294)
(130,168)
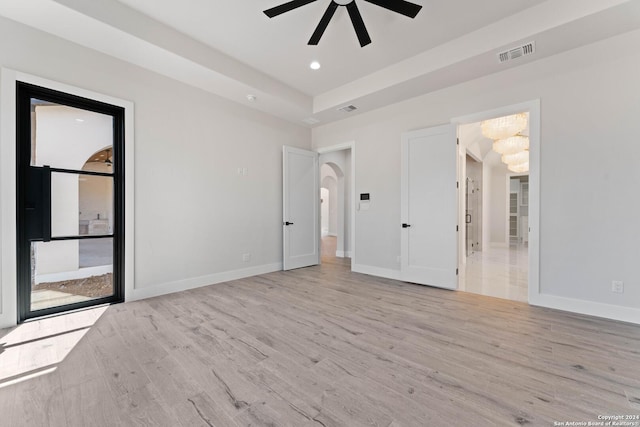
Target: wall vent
(311,120)
(517,52)
(347,108)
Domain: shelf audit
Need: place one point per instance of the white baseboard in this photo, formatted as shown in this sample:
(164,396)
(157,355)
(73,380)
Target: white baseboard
(498,245)
(81,273)
(377,271)
(343,254)
(198,282)
(332,234)
(590,308)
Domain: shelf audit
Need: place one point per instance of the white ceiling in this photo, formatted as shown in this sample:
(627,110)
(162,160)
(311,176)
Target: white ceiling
(230,48)
(278,46)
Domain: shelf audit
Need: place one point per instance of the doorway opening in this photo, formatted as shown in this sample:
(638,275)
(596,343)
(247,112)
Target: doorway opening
(70,194)
(336,181)
(494,208)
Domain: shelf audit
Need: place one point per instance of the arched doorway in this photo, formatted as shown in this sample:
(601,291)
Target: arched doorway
(333,212)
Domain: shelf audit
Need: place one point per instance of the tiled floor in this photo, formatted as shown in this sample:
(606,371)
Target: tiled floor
(498,272)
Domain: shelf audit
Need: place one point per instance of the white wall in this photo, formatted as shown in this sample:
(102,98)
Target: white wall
(324,210)
(487,201)
(589,112)
(195,216)
(329,180)
(498,207)
(333,208)
(349,200)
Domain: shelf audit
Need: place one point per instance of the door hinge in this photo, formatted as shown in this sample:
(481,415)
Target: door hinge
(457,141)
(457,184)
(456,271)
(457,228)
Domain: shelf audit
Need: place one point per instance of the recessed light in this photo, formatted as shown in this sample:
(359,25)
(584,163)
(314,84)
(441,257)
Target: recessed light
(79,120)
(251,98)
(315,65)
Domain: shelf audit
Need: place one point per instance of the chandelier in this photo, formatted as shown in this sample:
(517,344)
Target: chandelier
(511,145)
(507,140)
(521,168)
(504,127)
(516,158)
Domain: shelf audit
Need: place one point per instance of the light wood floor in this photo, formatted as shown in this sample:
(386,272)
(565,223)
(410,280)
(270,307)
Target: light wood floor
(322,346)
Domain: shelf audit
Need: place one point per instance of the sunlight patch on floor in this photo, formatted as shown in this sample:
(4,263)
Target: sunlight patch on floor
(35,348)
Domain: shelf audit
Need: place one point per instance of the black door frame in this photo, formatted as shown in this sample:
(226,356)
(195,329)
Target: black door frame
(33,220)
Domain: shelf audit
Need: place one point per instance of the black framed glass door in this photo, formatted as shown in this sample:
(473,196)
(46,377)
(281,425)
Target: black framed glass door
(70,202)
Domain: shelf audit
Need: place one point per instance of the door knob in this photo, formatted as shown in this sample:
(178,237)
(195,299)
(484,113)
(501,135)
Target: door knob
(288,223)
(406,225)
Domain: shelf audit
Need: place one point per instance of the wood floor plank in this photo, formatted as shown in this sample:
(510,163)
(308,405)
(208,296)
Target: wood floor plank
(38,402)
(201,410)
(90,404)
(321,346)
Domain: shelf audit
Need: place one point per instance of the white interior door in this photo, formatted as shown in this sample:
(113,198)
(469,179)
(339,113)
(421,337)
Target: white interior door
(301,208)
(430,207)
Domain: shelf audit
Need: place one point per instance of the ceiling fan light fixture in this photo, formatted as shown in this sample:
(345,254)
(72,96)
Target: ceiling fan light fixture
(315,65)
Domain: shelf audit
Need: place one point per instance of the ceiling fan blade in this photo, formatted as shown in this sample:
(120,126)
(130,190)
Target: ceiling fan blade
(400,6)
(358,24)
(324,22)
(286,7)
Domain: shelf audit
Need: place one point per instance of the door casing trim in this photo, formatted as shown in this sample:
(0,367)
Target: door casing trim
(8,237)
(533,108)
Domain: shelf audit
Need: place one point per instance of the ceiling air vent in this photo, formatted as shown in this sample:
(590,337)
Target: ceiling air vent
(311,120)
(347,108)
(517,52)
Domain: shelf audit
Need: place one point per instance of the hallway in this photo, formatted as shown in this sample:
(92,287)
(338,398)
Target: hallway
(328,252)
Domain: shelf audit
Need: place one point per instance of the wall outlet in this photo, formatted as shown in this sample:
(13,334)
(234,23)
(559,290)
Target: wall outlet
(617,286)
(243,171)
(246,257)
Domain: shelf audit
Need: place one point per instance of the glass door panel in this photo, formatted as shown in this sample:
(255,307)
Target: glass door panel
(64,137)
(81,204)
(70,271)
(70,202)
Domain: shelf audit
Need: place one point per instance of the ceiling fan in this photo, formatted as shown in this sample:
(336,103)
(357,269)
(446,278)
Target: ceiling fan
(399,6)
